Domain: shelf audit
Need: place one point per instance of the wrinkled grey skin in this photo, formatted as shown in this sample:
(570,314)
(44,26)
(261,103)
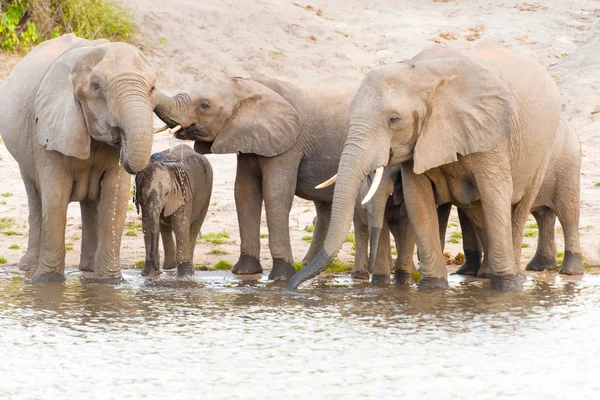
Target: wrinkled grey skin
(288,138)
(373,223)
(173,193)
(69,108)
(558,196)
(473,128)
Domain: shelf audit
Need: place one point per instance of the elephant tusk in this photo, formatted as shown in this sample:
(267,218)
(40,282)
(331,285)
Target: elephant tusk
(164,128)
(374,185)
(327,183)
(176,129)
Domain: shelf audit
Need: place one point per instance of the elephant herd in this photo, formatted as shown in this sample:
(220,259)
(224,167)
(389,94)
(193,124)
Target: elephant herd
(479,129)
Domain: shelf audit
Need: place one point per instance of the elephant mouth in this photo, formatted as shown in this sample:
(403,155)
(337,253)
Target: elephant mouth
(192,132)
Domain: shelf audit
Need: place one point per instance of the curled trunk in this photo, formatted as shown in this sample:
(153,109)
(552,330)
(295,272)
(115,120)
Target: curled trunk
(171,110)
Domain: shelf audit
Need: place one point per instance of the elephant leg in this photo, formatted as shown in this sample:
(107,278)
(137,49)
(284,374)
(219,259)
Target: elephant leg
(472,248)
(166,235)
(279,187)
(382,268)
(89,235)
(248,203)
(194,231)
(181,228)
(567,208)
(112,209)
(361,254)
(320,232)
(405,247)
(422,213)
(29,261)
(545,253)
(494,184)
(443,212)
(55,187)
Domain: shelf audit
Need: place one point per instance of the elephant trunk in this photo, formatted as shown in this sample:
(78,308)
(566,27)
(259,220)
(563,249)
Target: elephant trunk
(135,119)
(356,162)
(171,110)
(151,227)
(376,215)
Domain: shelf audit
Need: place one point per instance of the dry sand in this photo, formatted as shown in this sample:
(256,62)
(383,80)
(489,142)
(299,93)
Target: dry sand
(186,40)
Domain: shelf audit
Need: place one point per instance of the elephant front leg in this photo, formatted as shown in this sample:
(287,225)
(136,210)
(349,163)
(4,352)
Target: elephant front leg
(55,186)
(381,270)
(30,260)
(545,253)
(320,232)
(166,235)
(89,235)
(248,203)
(361,254)
(112,208)
(422,213)
(405,247)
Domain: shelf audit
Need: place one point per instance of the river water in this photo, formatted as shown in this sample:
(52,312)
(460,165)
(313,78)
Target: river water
(219,338)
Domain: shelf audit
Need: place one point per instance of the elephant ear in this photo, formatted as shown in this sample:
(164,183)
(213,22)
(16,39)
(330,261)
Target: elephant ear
(180,191)
(263,122)
(470,111)
(59,120)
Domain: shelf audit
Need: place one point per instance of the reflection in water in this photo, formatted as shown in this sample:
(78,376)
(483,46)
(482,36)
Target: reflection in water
(218,337)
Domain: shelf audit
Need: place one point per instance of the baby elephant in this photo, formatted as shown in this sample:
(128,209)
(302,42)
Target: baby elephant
(174,193)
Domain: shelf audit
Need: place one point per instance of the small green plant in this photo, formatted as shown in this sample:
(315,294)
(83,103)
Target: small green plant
(276,53)
(201,267)
(218,251)
(597,184)
(350,238)
(3,260)
(14,247)
(454,236)
(130,207)
(452,225)
(131,232)
(6,194)
(10,233)
(136,226)
(307,238)
(3,202)
(531,225)
(339,267)
(140,264)
(394,251)
(68,246)
(524,245)
(298,265)
(264,235)
(163,40)
(216,237)
(530,233)
(222,265)
(75,236)
(310,228)
(416,275)
(7,223)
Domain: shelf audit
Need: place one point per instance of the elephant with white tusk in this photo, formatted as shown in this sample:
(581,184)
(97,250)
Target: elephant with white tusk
(77,117)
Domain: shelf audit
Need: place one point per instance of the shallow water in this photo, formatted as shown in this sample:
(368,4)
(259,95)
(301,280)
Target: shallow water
(219,338)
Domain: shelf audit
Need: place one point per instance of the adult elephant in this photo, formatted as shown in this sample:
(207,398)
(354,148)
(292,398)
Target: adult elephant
(77,116)
(288,137)
(474,128)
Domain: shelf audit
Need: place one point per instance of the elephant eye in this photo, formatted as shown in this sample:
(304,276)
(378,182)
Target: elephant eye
(204,105)
(394,120)
(95,86)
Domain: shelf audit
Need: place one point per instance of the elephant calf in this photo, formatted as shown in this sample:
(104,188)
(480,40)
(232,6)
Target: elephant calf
(173,192)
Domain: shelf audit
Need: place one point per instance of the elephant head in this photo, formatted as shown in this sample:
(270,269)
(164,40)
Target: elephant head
(231,115)
(428,109)
(102,91)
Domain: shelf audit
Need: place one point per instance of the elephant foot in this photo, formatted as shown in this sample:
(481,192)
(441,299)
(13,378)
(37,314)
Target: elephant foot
(185,269)
(472,263)
(282,270)
(48,277)
(380,279)
(167,266)
(572,264)
(433,283)
(507,282)
(402,278)
(29,262)
(360,275)
(540,262)
(86,267)
(247,265)
(150,271)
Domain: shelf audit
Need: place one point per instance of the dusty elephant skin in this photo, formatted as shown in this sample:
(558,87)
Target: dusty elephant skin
(173,192)
(69,108)
(475,128)
(288,138)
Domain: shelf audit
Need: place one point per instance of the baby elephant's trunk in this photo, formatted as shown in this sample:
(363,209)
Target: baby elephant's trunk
(151,227)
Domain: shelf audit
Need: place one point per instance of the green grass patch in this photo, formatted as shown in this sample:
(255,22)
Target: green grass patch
(14,247)
(3,202)
(11,233)
(222,265)
(298,265)
(130,207)
(560,256)
(136,226)
(416,275)
(7,223)
(68,246)
(597,184)
(350,238)
(217,251)
(531,225)
(530,232)
(339,267)
(264,235)
(163,40)
(310,228)
(455,236)
(6,194)
(216,237)
(307,238)
(140,264)
(75,236)
(3,260)
(524,245)
(131,232)
(201,267)
(276,53)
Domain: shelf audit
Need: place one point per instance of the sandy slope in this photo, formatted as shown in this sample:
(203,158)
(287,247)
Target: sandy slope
(186,40)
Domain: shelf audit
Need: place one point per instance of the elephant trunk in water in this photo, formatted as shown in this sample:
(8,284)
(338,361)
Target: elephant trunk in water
(135,119)
(356,162)
(153,228)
